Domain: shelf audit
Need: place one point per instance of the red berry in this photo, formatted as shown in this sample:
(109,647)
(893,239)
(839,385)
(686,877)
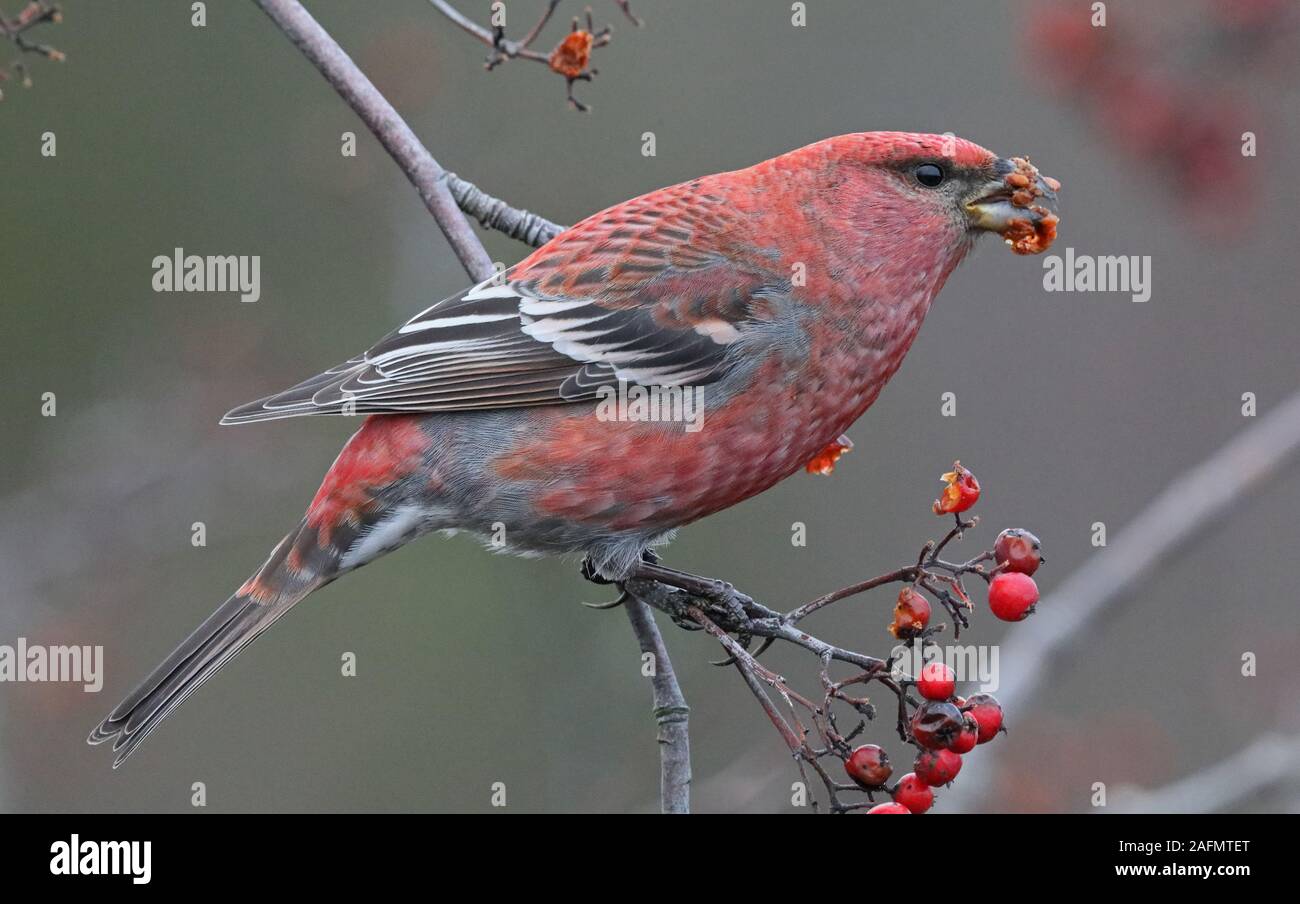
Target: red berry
(1012,596)
(1018,550)
(936,682)
(869,766)
(888,808)
(962,491)
(970,735)
(913,794)
(911,614)
(935,724)
(987,713)
(937,767)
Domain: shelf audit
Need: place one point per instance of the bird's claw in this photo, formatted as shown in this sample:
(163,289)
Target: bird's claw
(612,604)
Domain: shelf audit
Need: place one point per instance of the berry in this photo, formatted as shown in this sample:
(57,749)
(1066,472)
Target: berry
(1012,596)
(868,766)
(962,491)
(987,713)
(913,794)
(937,767)
(935,724)
(970,735)
(888,808)
(1018,550)
(911,614)
(824,461)
(937,681)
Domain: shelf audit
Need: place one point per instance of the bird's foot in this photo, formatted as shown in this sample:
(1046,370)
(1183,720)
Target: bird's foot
(590,573)
(735,610)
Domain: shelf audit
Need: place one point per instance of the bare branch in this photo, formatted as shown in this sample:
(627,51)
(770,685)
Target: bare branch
(502,48)
(808,608)
(392,131)
(541,23)
(808,727)
(493,213)
(626,6)
(35,13)
(463,21)
(1194,502)
(570,58)
(671,712)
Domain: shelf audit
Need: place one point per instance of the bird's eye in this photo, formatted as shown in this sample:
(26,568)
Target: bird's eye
(930,175)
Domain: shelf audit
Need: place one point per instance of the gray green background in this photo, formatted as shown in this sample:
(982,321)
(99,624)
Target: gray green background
(475,668)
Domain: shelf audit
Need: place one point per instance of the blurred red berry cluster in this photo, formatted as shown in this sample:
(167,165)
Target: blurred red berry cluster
(1173,86)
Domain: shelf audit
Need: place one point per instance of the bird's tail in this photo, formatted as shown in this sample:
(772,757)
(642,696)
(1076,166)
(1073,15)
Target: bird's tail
(297,567)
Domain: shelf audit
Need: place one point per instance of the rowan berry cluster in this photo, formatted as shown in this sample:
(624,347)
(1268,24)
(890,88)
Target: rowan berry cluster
(943,726)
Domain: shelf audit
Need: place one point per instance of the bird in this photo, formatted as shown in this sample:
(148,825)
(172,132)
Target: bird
(782,297)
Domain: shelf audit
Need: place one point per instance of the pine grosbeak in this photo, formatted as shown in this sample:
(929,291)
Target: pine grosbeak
(787,293)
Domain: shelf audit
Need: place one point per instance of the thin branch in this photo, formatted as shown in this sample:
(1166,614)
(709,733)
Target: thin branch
(626,7)
(493,213)
(670,710)
(502,48)
(36,12)
(541,23)
(902,574)
(463,21)
(434,184)
(570,58)
(722,612)
(1193,503)
(392,131)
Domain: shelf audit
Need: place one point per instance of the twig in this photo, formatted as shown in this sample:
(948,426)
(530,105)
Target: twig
(541,23)
(391,130)
(36,12)
(493,213)
(626,6)
(570,58)
(902,574)
(721,618)
(1193,503)
(670,710)
(502,48)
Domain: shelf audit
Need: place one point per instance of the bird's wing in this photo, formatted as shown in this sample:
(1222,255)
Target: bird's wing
(653,291)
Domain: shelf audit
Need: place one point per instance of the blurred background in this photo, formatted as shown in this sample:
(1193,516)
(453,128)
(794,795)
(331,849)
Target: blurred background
(472,668)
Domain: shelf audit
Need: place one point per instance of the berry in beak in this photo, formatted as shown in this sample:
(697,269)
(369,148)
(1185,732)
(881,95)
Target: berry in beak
(1019,204)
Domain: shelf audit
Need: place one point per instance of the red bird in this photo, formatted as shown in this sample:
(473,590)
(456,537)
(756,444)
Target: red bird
(783,297)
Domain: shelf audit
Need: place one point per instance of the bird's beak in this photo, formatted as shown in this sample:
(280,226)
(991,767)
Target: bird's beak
(1019,204)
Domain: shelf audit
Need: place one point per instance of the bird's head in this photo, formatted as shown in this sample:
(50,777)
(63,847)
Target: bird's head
(926,188)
